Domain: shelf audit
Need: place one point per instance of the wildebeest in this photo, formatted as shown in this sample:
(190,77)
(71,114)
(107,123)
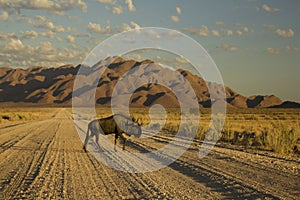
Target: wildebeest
(117,124)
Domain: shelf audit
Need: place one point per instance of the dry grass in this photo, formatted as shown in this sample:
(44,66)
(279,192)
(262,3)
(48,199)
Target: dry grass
(282,137)
(276,130)
(25,114)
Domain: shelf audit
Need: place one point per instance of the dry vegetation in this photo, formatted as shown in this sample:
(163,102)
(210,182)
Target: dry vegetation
(276,130)
(9,115)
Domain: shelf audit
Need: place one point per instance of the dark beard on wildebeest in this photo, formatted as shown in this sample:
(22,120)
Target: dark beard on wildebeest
(119,125)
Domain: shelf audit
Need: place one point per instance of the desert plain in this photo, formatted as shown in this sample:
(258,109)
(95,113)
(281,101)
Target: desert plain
(41,157)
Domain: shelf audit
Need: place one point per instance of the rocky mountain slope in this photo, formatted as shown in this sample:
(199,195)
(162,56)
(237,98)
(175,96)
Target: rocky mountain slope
(55,85)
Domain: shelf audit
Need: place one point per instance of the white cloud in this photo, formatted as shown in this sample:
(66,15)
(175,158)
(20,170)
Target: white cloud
(127,27)
(135,25)
(287,49)
(228,47)
(16,54)
(8,36)
(203,31)
(291,49)
(130,5)
(175,18)
(33,34)
(59,39)
(106,1)
(285,33)
(29,35)
(74,46)
(269,26)
(94,27)
(48,5)
(95,41)
(70,38)
(273,51)
(14,45)
(246,29)
(215,33)
(269,9)
(117,10)
(172,34)
(48,34)
(219,23)
(229,32)
(154,34)
(178,10)
(4,15)
(59,29)
(46,47)
(132,56)
(239,33)
(31,4)
(79,3)
(42,22)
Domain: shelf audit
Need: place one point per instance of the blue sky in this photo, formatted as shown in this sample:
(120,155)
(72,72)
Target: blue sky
(255,43)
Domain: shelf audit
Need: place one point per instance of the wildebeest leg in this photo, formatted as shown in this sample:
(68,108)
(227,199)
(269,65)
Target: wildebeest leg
(116,137)
(86,139)
(124,143)
(97,140)
(123,136)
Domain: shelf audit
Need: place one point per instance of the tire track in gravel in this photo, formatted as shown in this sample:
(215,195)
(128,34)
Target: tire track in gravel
(12,137)
(83,180)
(271,182)
(152,184)
(12,125)
(39,143)
(24,165)
(173,184)
(261,180)
(138,186)
(228,186)
(263,159)
(35,167)
(43,179)
(26,144)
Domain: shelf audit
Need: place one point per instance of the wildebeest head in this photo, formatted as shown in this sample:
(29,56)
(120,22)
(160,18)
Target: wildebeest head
(129,125)
(134,129)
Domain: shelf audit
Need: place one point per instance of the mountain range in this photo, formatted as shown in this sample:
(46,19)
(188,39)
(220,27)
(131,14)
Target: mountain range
(48,86)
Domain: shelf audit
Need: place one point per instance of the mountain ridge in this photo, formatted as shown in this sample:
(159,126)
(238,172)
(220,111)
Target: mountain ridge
(46,86)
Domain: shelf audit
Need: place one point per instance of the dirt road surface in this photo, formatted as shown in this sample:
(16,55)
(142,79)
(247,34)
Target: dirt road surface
(44,160)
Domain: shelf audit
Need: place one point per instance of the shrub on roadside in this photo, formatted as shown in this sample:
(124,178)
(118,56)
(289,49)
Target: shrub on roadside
(281,138)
